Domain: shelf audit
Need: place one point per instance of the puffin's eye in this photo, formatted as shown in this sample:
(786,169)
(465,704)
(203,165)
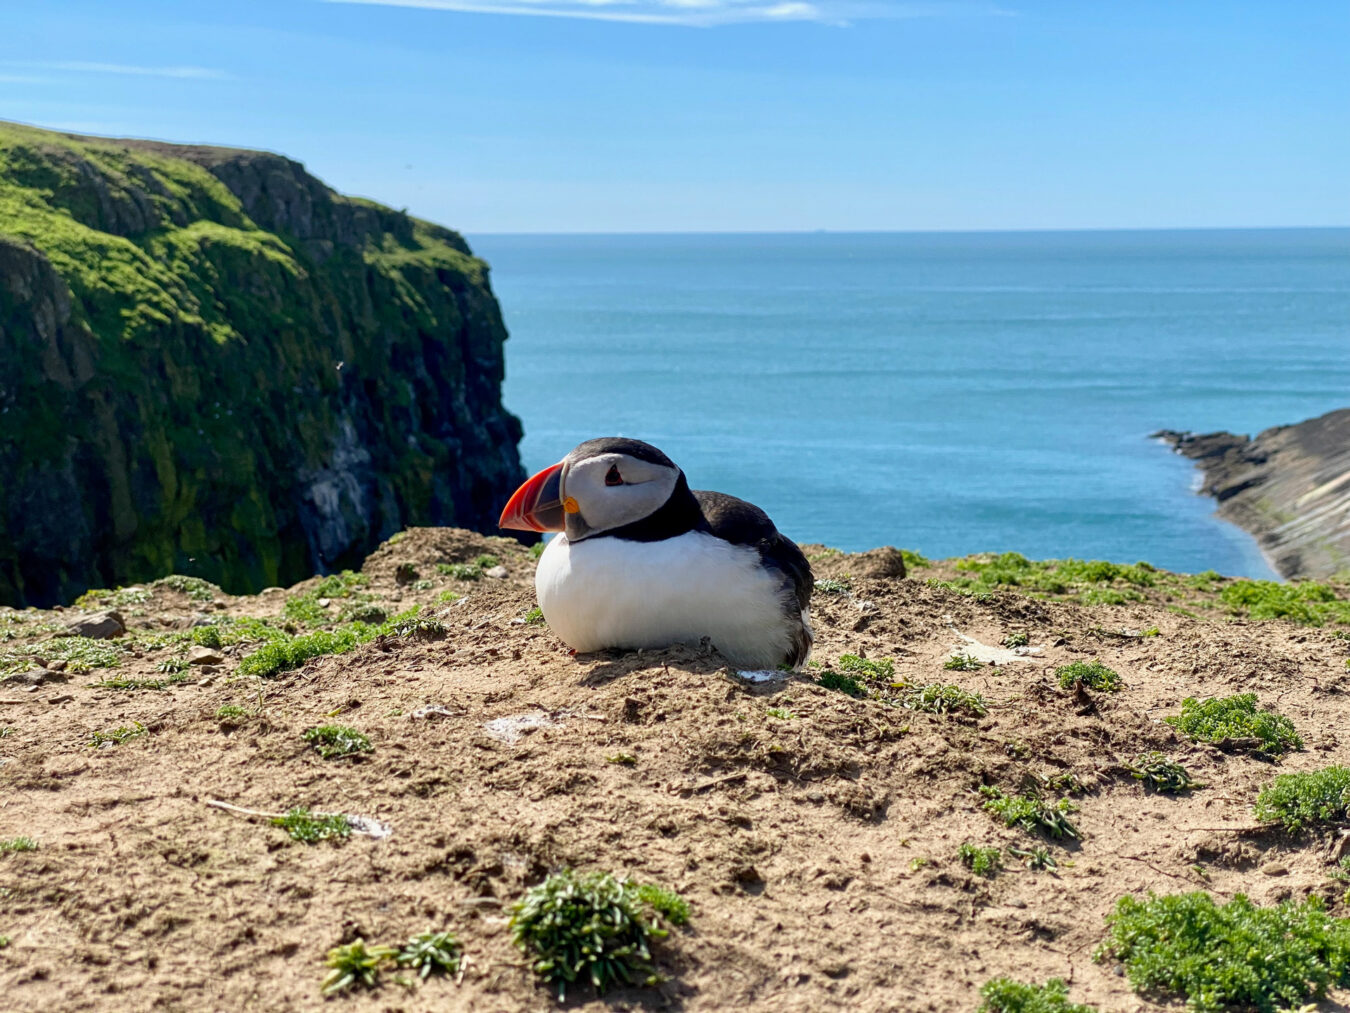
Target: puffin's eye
(612,477)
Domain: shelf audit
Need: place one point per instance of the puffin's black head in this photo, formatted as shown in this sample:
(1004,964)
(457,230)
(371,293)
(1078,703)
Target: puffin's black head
(602,485)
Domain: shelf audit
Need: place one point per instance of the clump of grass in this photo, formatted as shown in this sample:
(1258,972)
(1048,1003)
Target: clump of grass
(537,549)
(1016,640)
(206,636)
(333,742)
(303,825)
(1053,577)
(292,652)
(842,683)
(81,654)
(117,736)
(1003,995)
(1161,774)
(1031,813)
(1309,603)
(170,666)
(361,612)
(17,844)
(487,562)
(1312,799)
(1227,956)
(945,698)
(981,861)
(431,953)
(833,585)
(413,624)
(586,927)
(448,596)
(875,671)
(176,676)
(459,571)
(781,713)
(535,616)
(1035,859)
(1234,720)
(194,587)
(961,663)
(666,903)
(355,964)
(231,710)
(122,597)
(914,560)
(1152,631)
(622,759)
(1092,674)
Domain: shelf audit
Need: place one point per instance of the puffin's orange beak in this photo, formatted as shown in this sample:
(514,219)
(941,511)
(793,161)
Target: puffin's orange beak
(536,505)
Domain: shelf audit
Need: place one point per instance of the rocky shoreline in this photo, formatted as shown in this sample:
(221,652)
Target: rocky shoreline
(1289,487)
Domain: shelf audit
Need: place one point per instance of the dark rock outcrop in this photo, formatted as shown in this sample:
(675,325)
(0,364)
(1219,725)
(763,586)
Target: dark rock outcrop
(213,364)
(1290,487)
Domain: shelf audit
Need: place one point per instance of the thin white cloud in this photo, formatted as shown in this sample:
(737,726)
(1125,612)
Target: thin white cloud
(85,67)
(701,13)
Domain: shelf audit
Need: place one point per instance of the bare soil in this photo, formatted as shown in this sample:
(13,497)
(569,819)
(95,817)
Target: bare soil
(817,846)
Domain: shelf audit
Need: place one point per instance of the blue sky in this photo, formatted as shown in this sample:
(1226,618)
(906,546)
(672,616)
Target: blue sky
(729,115)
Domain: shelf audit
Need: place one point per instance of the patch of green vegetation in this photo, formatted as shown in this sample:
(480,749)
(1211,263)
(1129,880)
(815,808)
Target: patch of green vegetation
(310,828)
(1035,859)
(834,585)
(169,666)
(535,616)
(292,652)
(122,597)
(487,562)
(194,587)
(981,861)
(914,560)
(175,677)
(362,612)
(17,844)
(537,549)
(1308,603)
(231,710)
(413,624)
(842,683)
(781,713)
(1161,774)
(304,608)
(1031,813)
(332,742)
(117,736)
(81,654)
(1152,631)
(1003,995)
(1092,674)
(459,571)
(1232,720)
(447,596)
(431,953)
(1016,640)
(962,663)
(622,759)
(874,671)
(238,630)
(944,698)
(353,965)
(1092,580)
(1312,799)
(666,903)
(586,927)
(6,732)
(1228,956)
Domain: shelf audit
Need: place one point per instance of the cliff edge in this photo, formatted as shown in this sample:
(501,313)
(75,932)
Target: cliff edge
(213,364)
(1290,487)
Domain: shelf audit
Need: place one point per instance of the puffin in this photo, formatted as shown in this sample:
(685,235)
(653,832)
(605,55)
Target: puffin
(643,561)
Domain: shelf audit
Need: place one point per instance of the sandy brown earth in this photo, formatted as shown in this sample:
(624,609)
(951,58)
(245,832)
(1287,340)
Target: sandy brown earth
(816,845)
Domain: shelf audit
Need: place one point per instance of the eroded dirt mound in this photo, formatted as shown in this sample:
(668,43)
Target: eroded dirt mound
(814,833)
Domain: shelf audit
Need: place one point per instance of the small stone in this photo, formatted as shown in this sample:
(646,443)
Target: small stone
(498,572)
(98,626)
(205,656)
(63,698)
(57,666)
(1274,869)
(34,677)
(325,602)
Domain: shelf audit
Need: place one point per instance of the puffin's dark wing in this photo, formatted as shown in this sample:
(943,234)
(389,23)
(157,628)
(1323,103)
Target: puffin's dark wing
(743,523)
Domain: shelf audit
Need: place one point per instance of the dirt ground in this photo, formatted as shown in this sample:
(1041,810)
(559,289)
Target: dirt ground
(817,845)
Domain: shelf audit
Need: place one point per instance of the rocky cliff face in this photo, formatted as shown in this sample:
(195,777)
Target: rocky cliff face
(212,364)
(1290,487)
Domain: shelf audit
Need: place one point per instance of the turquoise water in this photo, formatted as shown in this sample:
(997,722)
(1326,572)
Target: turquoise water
(949,393)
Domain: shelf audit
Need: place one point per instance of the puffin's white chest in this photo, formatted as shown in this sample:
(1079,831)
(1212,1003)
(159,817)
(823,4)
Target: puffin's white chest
(606,592)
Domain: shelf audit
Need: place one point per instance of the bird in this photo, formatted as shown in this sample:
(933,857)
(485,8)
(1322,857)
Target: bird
(643,561)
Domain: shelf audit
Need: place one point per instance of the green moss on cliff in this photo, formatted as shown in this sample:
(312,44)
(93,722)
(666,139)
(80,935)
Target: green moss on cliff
(215,365)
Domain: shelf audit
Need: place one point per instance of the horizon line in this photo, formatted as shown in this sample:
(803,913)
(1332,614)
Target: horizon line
(1037,230)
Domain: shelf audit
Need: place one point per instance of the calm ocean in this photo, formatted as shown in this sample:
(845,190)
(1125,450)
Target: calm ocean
(949,393)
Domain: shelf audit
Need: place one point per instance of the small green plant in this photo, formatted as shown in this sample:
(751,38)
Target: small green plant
(1035,859)
(487,562)
(1160,774)
(622,759)
(781,713)
(170,666)
(537,549)
(914,560)
(1234,721)
(413,624)
(1031,813)
(355,964)
(1003,995)
(101,740)
(176,676)
(981,861)
(945,698)
(231,710)
(123,597)
(194,587)
(16,844)
(333,742)
(303,825)
(585,927)
(1228,956)
(535,616)
(206,636)
(875,671)
(4,941)
(1312,799)
(918,862)
(668,904)
(832,585)
(1152,631)
(962,663)
(431,953)
(6,732)
(1309,603)
(1092,674)
(459,571)
(1016,640)
(842,683)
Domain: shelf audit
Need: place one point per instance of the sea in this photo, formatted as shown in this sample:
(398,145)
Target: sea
(948,393)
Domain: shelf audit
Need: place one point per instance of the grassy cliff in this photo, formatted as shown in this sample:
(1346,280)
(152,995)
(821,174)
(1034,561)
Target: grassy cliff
(211,363)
